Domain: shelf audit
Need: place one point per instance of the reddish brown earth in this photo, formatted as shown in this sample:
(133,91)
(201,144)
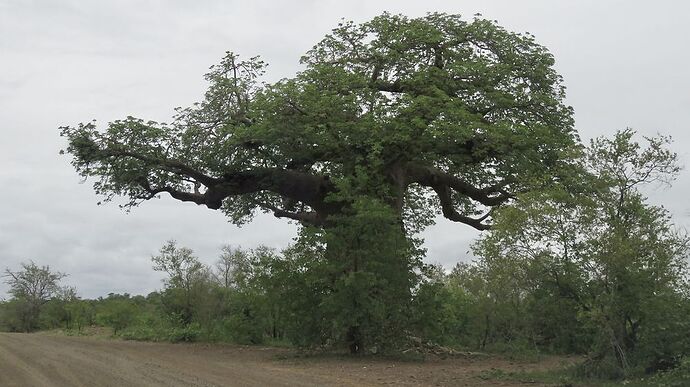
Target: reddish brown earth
(53,360)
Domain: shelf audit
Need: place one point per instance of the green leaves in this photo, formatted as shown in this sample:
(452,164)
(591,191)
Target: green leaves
(475,101)
(615,259)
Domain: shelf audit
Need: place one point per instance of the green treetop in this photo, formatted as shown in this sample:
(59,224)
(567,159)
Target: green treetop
(423,114)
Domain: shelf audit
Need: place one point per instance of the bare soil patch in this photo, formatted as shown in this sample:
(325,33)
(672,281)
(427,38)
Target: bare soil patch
(52,360)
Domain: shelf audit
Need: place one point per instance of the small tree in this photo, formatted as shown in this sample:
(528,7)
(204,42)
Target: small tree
(118,313)
(253,306)
(55,313)
(31,287)
(81,313)
(233,267)
(186,279)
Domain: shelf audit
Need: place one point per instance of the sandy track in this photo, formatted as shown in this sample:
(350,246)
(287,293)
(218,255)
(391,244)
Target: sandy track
(40,360)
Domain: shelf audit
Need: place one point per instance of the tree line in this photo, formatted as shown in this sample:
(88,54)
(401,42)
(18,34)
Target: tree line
(594,270)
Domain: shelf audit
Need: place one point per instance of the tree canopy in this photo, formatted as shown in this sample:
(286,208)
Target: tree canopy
(31,288)
(425,115)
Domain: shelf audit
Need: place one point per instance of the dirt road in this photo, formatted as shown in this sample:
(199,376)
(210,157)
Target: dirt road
(47,360)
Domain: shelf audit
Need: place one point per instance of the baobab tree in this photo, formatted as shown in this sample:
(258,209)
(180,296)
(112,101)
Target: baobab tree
(391,122)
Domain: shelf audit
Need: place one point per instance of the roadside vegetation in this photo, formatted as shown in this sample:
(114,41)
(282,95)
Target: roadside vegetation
(595,271)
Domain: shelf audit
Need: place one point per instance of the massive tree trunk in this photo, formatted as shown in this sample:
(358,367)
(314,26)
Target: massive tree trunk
(372,271)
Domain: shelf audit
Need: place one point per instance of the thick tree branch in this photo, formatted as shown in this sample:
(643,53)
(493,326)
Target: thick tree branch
(450,213)
(435,178)
(195,197)
(444,184)
(165,164)
(296,185)
(390,87)
(309,217)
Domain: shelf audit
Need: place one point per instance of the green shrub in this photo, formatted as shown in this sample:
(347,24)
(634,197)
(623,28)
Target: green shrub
(243,329)
(189,333)
(141,333)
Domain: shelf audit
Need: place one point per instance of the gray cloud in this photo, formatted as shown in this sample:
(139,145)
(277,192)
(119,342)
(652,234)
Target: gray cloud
(64,62)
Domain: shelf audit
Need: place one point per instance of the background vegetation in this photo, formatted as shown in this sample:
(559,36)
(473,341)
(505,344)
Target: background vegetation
(590,269)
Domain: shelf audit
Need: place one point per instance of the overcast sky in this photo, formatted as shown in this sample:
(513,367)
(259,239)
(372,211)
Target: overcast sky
(625,64)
